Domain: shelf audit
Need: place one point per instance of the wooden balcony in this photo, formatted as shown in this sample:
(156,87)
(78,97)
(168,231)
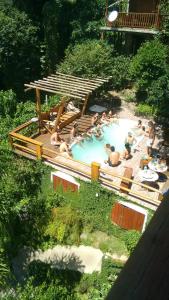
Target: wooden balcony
(137,20)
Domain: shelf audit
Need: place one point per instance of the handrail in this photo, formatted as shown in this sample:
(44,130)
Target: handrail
(22,126)
(130,180)
(137,20)
(64,164)
(131,192)
(23,138)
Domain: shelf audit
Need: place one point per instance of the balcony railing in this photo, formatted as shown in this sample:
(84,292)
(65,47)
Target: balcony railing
(137,20)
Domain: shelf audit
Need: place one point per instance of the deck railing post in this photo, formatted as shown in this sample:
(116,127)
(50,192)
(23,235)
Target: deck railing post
(95,171)
(10,140)
(39,151)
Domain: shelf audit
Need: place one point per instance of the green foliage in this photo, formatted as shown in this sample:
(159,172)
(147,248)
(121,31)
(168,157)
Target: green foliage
(149,64)
(4,269)
(131,238)
(149,69)
(18,49)
(65,225)
(91,58)
(144,110)
(7,103)
(52,102)
(120,71)
(96,286)
(164,10)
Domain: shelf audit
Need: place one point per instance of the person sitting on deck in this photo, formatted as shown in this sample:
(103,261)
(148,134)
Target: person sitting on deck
(55,139)
(74,131)
(71,107)
(64,149)
(113,159)
(127,152)
(94,119)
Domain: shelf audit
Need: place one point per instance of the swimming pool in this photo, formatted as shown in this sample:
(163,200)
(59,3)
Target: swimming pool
(93,149)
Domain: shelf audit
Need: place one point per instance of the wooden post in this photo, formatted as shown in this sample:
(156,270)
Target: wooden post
(10,140)
(95,171)
(39,151)
(38,107)
(61,108)
(84,105)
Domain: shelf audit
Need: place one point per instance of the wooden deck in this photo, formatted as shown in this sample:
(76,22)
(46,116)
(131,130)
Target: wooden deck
(40,147)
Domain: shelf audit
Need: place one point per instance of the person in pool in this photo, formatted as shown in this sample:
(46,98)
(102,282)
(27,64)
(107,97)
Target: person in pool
(113,159)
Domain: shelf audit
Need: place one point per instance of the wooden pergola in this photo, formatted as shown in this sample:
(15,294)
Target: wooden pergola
(67,86)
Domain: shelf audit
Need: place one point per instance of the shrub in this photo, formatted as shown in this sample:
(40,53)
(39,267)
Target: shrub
(7,103)
(131,239)
(65,225)
(144,110)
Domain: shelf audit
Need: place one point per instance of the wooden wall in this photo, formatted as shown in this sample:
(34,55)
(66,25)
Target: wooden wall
(143,6)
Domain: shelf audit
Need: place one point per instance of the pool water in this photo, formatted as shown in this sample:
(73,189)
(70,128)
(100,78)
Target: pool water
(93,149)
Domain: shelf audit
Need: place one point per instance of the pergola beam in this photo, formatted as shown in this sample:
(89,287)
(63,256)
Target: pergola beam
(61,87)
(34,86)
(78,85)
(79,80)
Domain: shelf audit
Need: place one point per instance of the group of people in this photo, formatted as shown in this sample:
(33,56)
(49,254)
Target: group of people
(131,142)
(105,119)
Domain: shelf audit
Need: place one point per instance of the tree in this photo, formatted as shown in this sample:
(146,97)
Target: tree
(19,49)
(88,59)
(149,69)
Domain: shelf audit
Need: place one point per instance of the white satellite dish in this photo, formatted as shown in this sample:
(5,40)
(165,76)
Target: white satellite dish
(112,16)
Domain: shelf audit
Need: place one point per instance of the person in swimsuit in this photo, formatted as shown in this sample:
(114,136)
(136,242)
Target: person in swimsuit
(55,139)
(113,159)
(151,137)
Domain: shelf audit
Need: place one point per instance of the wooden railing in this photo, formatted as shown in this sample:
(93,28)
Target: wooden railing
(91,172)
(94,172)
(137,20)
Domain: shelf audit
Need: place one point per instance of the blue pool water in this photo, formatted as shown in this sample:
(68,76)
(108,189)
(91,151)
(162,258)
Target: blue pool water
(93,150)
